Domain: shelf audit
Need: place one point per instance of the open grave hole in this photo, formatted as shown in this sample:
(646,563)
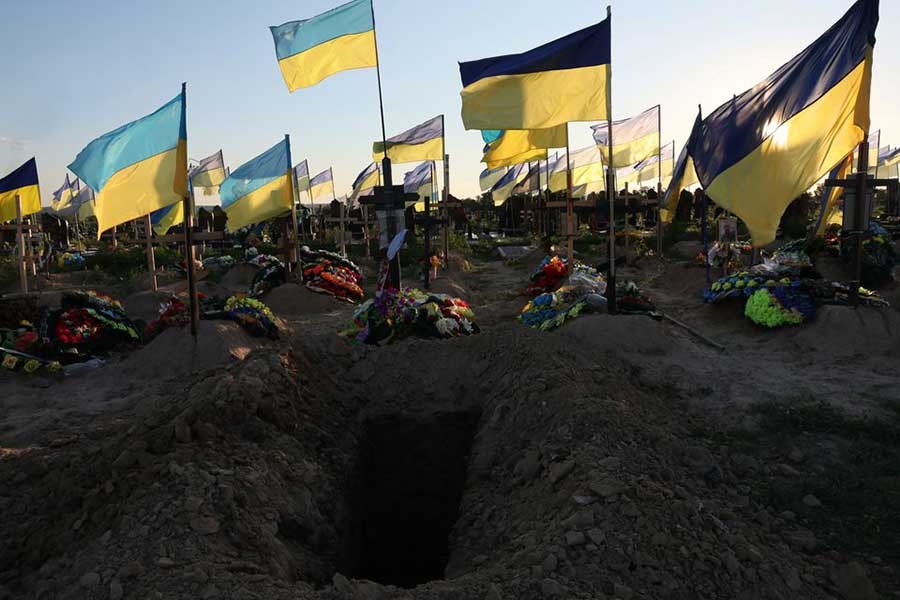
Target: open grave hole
(413,477)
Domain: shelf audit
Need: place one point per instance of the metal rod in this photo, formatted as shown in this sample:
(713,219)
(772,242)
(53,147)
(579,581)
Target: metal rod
(188,208)
(570,205)
(293,250)
(378,71)
(659,168)
(611,190)
(862,177)
(20,242)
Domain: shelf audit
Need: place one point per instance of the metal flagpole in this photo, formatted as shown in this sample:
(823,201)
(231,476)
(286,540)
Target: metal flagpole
(862,180)
(187,207)
(446,195)
(20,242)
(151,256)
(659,185)
(386,161)
(294,252)
(570,208)
(611,187)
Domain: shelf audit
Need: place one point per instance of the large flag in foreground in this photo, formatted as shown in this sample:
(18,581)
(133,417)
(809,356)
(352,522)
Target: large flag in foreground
(313,49)
(514,146)
(634,139)
(260,189)
(138,168)
(164,219)
(322,185)
(562,81)
(755,154)
(23,182)
(422,142)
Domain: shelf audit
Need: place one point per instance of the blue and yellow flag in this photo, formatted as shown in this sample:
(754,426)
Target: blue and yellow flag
(513,147)
(587,168)
(758,152)
(683,176)
(62,198)
(164,219)
(301,176)
(138,168)
(23,182)
(829,211)
(504,188)
(647,172)
(634,139)
(489,177)
(209,172)
(322,185)
(338,40)
(366,181)
(419,181)
(260,189)
(562,81)
(422,142)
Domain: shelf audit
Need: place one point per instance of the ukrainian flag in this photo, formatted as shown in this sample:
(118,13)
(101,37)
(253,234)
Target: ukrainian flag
(829,212)
(634,140)
(322,185)
(138,168)
(164,219)
(419,182)
(422,142)
(62,198)
(301,176)
(209,173)
(513,147)
(366,181)
(683,176)
(260,189)
(562,81)
(503,189)
(489,177)
(587,168)
(648,171)
(23,182)
(313,49)
(755,154)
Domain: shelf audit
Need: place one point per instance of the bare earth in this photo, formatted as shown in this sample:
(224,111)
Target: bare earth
(617,457)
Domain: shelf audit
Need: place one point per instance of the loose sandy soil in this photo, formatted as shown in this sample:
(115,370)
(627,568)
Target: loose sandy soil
(617,457)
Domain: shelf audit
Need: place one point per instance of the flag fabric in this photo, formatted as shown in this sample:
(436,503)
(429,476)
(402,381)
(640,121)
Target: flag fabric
(419,180)
(562,81)
(209,173)
(532,181)
(23,182)
(489,177)
(758,152)
(313,49)
(365,182)
(634,139)
(301,176)
(82,194)
(684,175)
(322,185)
(517,146)
(829,211)
(259,189)
(648,171)
(422,142)
(587,167)
(164,219)
(503,189)
(63,196)
(137,168)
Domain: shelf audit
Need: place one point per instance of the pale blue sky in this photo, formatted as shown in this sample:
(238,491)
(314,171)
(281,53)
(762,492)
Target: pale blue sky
(74,69)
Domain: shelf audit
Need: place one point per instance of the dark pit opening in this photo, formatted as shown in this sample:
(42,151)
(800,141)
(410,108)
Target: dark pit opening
(414,473)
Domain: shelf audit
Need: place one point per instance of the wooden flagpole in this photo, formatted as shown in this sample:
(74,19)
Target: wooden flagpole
(20,242)
(188,208)
(293,250)
(659,169)
(151,256)
(611,188)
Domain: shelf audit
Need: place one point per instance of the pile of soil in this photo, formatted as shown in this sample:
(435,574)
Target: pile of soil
(294,300)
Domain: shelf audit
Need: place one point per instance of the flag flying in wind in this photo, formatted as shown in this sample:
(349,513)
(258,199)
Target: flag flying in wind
(684,175)
(209,172)
(562,81)
(301,176)
(634,139)
(137,168)
(503,189)
(23,182)
(532,181)
(322,185)
(829,212)
(365,182)
(84,201)
(489,177)
(62,198)
(313,49)
(419,181)
(259,189)
(756,153)
(422,142)
(513,147)
(165,218)
(586,165)
(647,171)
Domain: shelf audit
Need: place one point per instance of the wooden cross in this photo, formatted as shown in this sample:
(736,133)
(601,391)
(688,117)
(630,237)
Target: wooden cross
(427,221)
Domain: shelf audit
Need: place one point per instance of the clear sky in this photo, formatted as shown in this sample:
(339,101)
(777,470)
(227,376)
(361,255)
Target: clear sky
(73,70)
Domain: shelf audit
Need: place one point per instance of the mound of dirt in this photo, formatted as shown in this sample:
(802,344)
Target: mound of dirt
(294,300)
(843,332)
(175,352)
(239,277)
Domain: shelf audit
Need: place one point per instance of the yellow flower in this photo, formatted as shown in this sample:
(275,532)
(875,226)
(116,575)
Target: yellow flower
(31,366)
(10,362)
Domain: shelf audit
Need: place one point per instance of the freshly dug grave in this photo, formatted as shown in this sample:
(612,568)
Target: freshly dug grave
(579,475)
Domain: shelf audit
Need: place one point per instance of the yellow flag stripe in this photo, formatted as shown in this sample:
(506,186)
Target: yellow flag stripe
(354,51)
(29,196)
(270,201)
